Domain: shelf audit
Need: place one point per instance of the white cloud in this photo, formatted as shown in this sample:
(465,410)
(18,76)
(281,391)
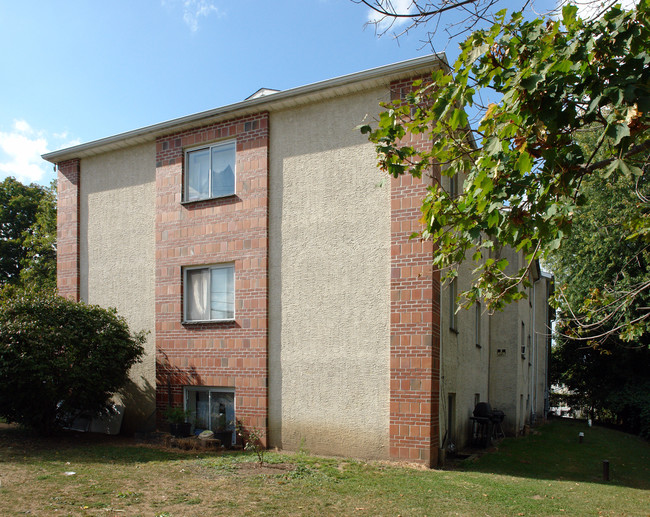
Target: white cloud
(21,149)
(394,6)
(194,10)
(20,153)
(23,127)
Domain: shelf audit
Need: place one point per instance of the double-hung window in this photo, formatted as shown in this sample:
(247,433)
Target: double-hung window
(453,306)
(210,171)
(209,293)
(477,324)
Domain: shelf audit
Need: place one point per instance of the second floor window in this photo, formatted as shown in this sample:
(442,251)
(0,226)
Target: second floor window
(210,171)
(210,293)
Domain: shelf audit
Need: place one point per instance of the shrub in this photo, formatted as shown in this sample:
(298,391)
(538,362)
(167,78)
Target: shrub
(60,358)
(252,438)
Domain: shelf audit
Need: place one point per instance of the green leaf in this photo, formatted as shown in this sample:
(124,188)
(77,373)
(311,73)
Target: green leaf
(524,162)
(562,66)
(458,119)
(618,132)
(569,12)
(492,145)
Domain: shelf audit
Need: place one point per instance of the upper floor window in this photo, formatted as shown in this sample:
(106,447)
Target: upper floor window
(210,171)
(209,293)
(453,186)
(453,305)
(477,324)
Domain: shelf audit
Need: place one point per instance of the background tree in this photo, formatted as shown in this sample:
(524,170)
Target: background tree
(27,234)
(59,358)
(522,166)
(611,382)
(38,267)
(606,376)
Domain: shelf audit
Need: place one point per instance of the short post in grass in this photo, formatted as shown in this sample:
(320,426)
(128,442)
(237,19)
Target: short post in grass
(581,437)
(605,470)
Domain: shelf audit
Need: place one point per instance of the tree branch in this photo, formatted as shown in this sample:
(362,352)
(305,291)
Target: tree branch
(420,14)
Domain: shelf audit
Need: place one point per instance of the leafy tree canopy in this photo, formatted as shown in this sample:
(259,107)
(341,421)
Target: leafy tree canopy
(612,379)
(27,234)
(38,266)
(523,167)
(59,358)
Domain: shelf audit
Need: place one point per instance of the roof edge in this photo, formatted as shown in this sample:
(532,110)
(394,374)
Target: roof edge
(149,133)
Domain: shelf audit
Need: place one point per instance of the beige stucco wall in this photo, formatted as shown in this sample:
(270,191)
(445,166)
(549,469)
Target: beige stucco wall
(329,258)
(117,252)
(542,343)
(516,380)
(465,367)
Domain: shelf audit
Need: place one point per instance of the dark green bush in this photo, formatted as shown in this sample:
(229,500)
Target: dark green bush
(59,358)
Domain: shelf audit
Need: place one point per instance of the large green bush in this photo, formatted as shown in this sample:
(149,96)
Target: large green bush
(59,358)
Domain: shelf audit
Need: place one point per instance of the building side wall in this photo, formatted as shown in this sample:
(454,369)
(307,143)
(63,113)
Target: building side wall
(542,346)
(415,317)
(232,229)
(329,273)
(117,198)
(67,256)
(465,366)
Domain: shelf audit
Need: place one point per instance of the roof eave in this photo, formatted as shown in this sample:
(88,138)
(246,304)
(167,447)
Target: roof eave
(279,100)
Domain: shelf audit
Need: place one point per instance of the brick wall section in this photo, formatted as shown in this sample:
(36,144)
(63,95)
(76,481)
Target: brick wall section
(233,229)
(415,322)
(67,222)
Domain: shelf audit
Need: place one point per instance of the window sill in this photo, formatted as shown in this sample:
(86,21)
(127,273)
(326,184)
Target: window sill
(203,322)
(193,201)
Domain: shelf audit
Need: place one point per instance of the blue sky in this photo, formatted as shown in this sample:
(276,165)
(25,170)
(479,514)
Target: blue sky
(75,71)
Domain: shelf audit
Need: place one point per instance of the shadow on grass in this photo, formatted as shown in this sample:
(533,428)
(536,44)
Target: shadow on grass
(17,444)
(553,452)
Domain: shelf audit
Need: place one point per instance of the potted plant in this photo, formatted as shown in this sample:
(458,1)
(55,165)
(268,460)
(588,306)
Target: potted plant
(177,418)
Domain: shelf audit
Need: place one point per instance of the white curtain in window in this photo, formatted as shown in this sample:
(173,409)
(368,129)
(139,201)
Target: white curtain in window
(197,294)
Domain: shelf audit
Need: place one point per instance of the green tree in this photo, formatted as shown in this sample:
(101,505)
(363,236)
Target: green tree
(602,276)
(38,267)
(523,168)
(27,235)
(59,358)
(19,206)
(611,381)
(608,377)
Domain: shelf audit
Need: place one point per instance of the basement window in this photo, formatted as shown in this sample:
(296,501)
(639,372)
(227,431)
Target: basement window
(212,409)
(210,171)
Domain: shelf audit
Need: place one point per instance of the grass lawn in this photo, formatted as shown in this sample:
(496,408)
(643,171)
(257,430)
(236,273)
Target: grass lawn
(546,473)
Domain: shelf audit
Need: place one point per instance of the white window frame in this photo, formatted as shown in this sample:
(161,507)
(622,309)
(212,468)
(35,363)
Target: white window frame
(209,148)
(209,268)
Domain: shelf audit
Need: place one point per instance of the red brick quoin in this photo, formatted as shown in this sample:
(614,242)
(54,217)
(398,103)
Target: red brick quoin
(67,221)
(415,321)
(232,229)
